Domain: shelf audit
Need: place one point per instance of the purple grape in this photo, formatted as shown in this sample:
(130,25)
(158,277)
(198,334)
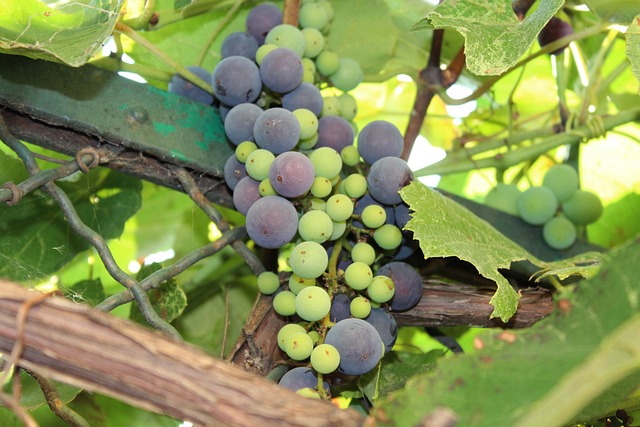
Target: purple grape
(402,214)
(306,95)
(276,130)
(340,308)
(301,377)
(555,29)
(291,174)
(358,343)
(261,19)
(180,86)
(234,171)
(387,177)
(386,326)
(239,122)
(224,110)
(235,80)
(379,139)
(245,194)
(239,43)
(334,132)
(272,222)
(407,247)
(408,284)
(281,70)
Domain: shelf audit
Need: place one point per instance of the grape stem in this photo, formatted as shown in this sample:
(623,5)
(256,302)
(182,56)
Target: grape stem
(291,12)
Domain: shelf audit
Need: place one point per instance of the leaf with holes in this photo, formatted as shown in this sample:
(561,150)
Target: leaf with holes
(168,299)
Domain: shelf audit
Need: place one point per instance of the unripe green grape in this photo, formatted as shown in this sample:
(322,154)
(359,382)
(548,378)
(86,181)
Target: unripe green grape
(263,50)
(339,227)
(350,155)
(326,162)
(388,236)
(503,197)
(348,75)
(358,275)
(327,62)
(312,303)
(298,346)
(348,106)
(315,226)
(268,282)
(258,163)
(325,359)
(297,283)
(583,208)
(381,289)
(563,180)
(308,76)
(312,15)
(328,7)
(308,392)
(286,331)
(308,260)
(374,216)
(335,180)
(330,106)
(537,205)
(339,207)
(266,189)
(559,233)
(244,149)
(309,66)
(285,35)
(308,143)
(363,252)
(360,307)
(315,336)
(314,42)
(284,303)
(321,187)
(308,122)
(340,188)
(317,204)
(355,185)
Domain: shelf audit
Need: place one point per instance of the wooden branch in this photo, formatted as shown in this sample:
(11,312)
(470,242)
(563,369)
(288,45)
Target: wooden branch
(93,350)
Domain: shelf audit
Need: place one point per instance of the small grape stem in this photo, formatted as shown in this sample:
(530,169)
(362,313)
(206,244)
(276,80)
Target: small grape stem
(291,12)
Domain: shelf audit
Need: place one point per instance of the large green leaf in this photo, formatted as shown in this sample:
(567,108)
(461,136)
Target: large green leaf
(495,38)
(531,375)
(618,11)
(70,32)
(633,46)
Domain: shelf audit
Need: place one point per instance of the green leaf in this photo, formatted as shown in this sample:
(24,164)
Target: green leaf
(618,11)
(36,238)
(32,396)
(86,291)
(168,299)
(633,46)
(494,37)
(70,32)
(593,338)
(397,366)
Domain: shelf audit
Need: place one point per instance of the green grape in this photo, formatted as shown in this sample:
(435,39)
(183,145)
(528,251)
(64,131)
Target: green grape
(339,207)
(374,216)
(325,359)
(317,204)
(312,303)
(335,180)
(266,189)
(244,149)
(285,35)
(358,275)
(330,106)
(339,227)
(308,392)
(263,50)
(360,307)
(537,205)
(363,252)
(297,283)
(503,197)
(309,70)
(286,331)
(284,303)
(268,282)
(258,163)
(298,346)
(348,106)
(315,226)
(381,289)
(355,185)
(308,143)
(327,62)
(562,180)
(312,15)
(348,75)
(314,42)
(321,187)
(308,122)
(315,336)
(350,155)
(388,236)
(583,208)
(559,233)
(308,260)
(328,7)
(326,162)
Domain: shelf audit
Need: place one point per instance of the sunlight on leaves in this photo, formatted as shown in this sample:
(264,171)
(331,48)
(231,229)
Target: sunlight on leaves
(633,46)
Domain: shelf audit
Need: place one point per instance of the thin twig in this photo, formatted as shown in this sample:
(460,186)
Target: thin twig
(56,404)
(225,332)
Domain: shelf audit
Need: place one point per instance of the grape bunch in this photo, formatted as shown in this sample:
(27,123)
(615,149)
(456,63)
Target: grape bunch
(558,205)
(329,206)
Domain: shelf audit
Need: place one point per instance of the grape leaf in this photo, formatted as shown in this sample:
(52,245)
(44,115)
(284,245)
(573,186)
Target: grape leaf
(594,333)
(69,32)
(633,46)
(168,299)
(618,11)
(85,291)
(494,37)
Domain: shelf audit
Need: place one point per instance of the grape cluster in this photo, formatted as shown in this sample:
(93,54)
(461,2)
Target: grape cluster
(558,205)
(330,207)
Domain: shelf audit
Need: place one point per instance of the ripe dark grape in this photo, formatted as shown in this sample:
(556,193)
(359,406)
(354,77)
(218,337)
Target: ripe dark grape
(291,174)
(387,177)
(340,307)
(306,96)
(386,326)
(379,139)
(276,130)
(402,214)
(235,80)
(245,194)
(334,132)
(239,122)
(555,29)
(181,86)
(261,19)
(239,43)
(281,70)
(234,171)
(271,222)
(359,345)
(408,284)
(300,377)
